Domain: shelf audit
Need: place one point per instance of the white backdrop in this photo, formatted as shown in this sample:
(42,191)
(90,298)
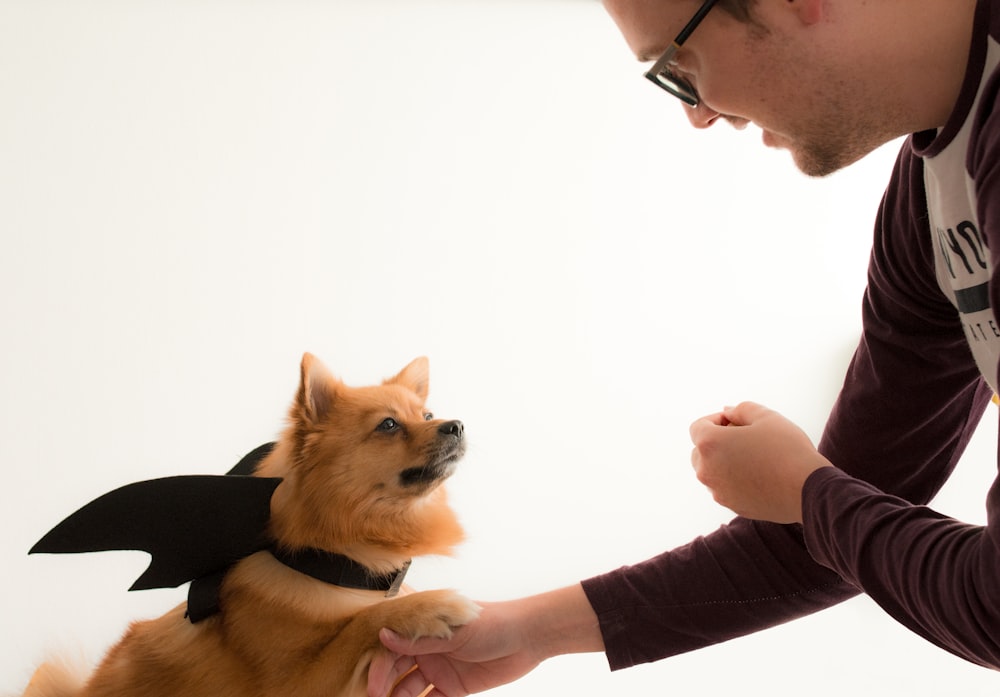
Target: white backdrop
(194,193)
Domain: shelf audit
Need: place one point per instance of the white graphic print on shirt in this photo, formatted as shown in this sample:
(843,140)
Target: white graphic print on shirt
(963,260)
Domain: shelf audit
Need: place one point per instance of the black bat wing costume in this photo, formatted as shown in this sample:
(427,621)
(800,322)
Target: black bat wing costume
(196,527)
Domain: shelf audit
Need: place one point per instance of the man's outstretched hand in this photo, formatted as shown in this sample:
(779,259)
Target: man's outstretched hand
(506,641)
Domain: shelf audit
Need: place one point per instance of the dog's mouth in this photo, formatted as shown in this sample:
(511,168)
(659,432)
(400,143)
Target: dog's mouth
(439,466)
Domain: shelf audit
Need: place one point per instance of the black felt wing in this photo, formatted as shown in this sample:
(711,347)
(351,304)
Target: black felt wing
(192,526)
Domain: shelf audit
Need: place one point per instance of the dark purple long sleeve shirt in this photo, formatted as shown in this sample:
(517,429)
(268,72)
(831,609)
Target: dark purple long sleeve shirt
(917,387)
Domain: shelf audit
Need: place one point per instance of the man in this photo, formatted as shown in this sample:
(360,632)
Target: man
(830,81)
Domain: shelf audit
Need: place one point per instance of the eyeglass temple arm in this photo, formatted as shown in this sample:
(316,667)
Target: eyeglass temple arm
(695,21)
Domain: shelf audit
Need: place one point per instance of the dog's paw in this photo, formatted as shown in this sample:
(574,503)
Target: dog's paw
(432,614)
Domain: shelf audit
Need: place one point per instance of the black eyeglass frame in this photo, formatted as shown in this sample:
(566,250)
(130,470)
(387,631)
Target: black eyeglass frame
(660,74)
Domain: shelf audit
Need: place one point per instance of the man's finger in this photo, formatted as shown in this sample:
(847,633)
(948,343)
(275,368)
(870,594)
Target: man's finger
(405,685)
(386,671)
(744,413)
(699,426)
(413,647)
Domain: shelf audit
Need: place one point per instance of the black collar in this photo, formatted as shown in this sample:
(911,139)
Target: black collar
(338,570)
(335,569)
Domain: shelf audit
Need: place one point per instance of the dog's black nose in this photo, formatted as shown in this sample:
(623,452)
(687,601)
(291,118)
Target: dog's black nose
(451,428)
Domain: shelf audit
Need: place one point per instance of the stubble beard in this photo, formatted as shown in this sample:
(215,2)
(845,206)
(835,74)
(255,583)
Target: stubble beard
(843,133)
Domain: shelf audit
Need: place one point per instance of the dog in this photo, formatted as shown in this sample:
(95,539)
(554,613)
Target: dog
(361,473)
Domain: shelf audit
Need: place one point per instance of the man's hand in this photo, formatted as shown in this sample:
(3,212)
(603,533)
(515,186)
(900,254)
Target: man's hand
(754,461)
(505,642)
(479,655)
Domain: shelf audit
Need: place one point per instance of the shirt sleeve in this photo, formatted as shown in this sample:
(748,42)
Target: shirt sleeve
(742,578)
(910,402)
(867,520)
(937,576)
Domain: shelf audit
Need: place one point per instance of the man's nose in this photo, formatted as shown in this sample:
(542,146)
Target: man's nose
(701,116)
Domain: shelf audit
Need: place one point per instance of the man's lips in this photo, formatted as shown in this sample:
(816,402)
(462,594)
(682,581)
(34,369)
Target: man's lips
(770,139)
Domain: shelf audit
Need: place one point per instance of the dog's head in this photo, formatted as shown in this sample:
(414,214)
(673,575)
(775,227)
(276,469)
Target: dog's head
(363,467)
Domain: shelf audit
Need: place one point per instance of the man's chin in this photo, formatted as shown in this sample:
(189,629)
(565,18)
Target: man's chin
(811,160)
(817,167)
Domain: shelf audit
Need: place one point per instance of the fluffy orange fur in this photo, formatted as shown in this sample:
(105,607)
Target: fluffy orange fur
(362,470)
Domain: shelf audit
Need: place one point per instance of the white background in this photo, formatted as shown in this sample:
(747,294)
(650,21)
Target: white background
(192,194)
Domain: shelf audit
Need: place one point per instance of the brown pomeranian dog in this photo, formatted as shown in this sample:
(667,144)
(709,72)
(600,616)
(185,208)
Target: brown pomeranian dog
(361,473)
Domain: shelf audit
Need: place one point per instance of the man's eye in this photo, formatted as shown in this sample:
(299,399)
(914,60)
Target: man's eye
(387,425)
(428,416)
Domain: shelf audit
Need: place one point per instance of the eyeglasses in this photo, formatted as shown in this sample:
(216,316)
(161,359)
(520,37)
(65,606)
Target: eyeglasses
(660,73)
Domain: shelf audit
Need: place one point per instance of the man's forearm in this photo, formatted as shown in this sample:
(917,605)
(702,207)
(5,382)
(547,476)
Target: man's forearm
(559,622)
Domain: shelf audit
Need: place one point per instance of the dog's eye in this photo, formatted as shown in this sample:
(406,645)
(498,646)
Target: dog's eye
(387,425)
(428,416)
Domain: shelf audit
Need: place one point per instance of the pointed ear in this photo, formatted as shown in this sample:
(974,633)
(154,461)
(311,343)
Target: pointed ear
(317,389)
(415,376)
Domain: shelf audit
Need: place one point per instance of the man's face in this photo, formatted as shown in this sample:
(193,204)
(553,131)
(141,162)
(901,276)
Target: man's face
(779,72)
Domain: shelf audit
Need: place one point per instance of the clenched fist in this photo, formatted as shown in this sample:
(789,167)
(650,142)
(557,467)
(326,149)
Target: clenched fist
(754,461)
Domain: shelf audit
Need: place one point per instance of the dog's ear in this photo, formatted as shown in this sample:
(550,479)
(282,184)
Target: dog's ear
(415,376)
(317,389)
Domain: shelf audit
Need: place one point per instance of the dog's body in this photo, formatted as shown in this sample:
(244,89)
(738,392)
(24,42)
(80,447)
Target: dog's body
(361,471)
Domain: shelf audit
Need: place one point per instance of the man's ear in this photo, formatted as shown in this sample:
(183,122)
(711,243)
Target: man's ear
(415,376)
(809,11)
(317,389)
